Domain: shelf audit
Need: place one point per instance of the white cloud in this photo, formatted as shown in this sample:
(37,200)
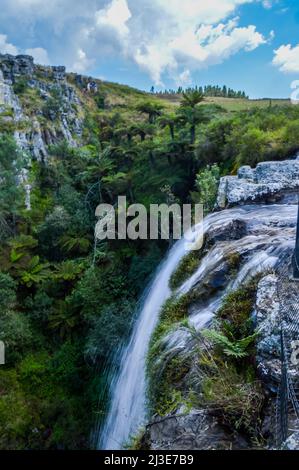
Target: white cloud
(39,54)
(6,47)
(163,37)
(115,15)
(286,58)
(184,79)
(82,62)
(208,11)
(197,48)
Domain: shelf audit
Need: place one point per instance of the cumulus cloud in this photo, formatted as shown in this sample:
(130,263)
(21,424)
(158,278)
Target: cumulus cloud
(82,62)
(286,58)
(6,47)
(197,47)
(39,54)
(114,15)
(166,38)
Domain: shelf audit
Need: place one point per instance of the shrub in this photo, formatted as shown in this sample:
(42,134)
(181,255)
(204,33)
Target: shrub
(207,184)
(16,334)
(20,86)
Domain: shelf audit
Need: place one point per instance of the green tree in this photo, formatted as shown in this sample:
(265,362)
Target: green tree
(192,116)
(152,109)
(192,98)
(168,120)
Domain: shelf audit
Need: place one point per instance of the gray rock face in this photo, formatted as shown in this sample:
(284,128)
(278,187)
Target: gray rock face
(268,312)
(269,181)
(13,66)
(8,99)
(35,138)
(196,430)
(292,443)
(58,72)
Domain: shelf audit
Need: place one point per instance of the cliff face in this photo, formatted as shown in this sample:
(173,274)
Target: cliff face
(49,111)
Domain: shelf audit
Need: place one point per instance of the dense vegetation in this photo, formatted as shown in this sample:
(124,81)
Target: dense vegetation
(65,304)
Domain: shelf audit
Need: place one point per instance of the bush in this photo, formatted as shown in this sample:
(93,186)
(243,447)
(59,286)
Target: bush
(16,334)
(17,419)
(20,86)
(108,330)
(207,184)
(237,309)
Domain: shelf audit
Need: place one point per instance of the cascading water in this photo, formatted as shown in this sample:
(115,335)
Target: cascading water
(269,233)
(128,410)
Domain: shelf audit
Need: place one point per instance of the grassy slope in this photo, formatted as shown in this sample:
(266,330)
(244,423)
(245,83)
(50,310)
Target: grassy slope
(230,104)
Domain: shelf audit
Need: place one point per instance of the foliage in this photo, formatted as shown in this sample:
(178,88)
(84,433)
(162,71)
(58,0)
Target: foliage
(236,399)
(207,184)
(236,349)
(20,86)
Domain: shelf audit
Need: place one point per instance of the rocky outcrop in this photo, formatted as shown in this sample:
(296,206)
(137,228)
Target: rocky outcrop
(14,66)
(196,430)
(23,65)
(30,134)
(268,326)
(8,99)
(268,182)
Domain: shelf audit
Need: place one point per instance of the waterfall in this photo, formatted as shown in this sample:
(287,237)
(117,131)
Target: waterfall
(128,410)
(270,231)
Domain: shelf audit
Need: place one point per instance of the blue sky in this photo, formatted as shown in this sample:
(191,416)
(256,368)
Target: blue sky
(245,44)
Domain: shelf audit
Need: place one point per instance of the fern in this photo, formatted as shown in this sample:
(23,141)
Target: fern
(232,348)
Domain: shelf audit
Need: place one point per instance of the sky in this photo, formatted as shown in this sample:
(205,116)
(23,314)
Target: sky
(252,45)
